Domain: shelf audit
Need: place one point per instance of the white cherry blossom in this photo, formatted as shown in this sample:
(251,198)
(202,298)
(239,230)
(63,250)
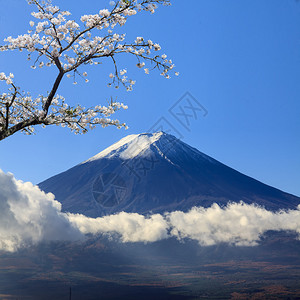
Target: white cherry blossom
(56,40)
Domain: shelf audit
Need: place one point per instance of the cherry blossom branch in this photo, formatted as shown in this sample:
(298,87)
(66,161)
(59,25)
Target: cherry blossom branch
(55,40)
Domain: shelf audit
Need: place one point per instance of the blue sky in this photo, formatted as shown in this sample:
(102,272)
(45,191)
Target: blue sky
(240,60)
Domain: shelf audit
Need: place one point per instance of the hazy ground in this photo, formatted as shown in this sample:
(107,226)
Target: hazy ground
(102,269)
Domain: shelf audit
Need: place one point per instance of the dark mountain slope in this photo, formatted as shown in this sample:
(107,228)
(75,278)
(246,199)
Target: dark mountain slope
(156,173)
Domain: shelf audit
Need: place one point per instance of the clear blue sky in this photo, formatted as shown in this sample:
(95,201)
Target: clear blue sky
(239,59)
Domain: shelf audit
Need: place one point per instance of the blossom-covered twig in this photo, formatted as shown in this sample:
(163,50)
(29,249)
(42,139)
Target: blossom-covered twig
(56,40)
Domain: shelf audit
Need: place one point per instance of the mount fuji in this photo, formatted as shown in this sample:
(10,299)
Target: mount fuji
(155,173)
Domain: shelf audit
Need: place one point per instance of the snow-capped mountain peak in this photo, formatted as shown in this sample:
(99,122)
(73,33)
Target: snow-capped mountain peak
(131,146)
(146,145)
(156,172)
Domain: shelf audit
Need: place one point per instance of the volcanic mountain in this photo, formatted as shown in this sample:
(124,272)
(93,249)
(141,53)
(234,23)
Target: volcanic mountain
(155,173)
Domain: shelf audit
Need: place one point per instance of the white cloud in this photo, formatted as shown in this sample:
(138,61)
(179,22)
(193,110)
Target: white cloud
(131,227)
(28,216)
(237,223)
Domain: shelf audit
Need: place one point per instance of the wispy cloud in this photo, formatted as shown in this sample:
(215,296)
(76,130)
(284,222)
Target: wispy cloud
(28,216)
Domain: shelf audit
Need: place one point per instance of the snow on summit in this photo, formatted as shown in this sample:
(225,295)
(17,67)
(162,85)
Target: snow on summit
(144,144)
(130,146)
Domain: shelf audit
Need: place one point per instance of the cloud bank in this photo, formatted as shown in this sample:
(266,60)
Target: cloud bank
(238,224)
(29,216)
